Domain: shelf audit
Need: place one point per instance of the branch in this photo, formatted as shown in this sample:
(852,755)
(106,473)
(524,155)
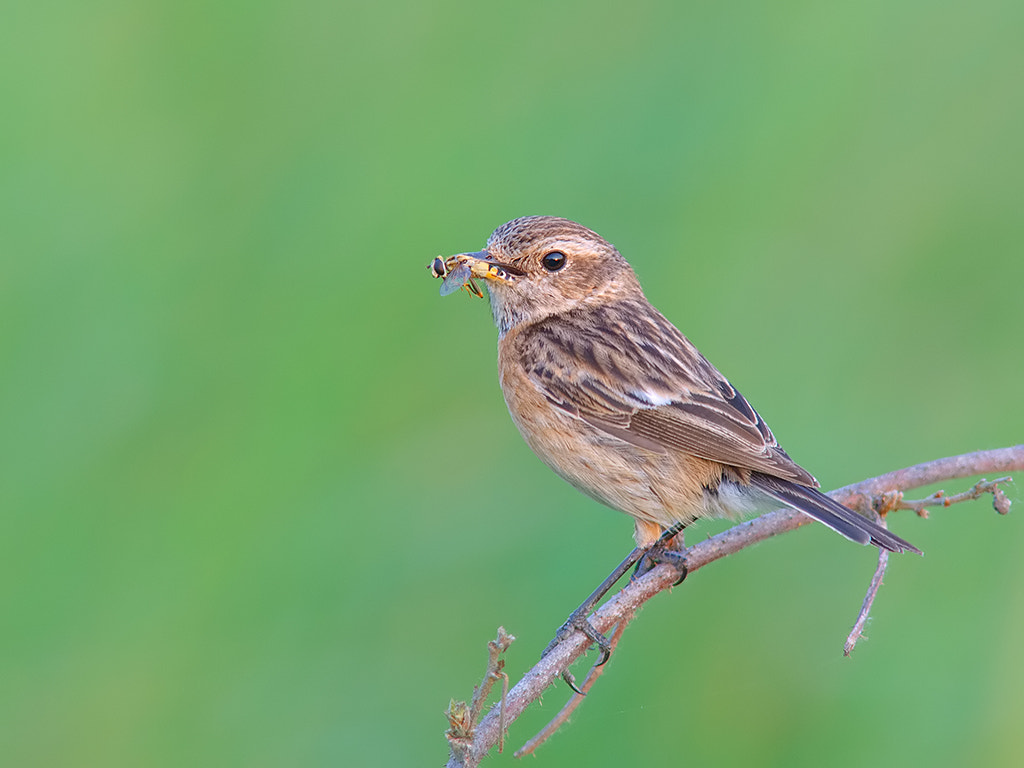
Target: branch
(626,602)
(869,599)
(888,501)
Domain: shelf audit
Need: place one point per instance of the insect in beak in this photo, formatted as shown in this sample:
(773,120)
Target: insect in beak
(460,270)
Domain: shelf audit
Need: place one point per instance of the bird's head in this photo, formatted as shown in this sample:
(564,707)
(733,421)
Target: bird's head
(538,266)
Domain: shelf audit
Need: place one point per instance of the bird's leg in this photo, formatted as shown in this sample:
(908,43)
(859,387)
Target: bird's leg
(578,620)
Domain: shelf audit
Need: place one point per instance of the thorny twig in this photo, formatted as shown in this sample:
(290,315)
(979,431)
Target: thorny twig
(638,591)
(891,500)
(462,718)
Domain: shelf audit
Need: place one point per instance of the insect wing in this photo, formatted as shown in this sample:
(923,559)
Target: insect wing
(455,279)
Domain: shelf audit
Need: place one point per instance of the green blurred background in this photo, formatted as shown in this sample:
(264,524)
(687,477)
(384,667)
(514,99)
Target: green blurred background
(260,500)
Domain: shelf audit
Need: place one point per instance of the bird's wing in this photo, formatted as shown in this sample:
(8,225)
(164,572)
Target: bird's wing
(626,370)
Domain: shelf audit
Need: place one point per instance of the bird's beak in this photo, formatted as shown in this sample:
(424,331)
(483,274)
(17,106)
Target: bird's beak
(483,266)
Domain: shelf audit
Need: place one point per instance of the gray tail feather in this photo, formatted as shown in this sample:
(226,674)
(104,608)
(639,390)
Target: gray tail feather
(840,519)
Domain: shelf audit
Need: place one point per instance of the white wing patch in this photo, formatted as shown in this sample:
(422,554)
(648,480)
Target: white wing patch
(653,399)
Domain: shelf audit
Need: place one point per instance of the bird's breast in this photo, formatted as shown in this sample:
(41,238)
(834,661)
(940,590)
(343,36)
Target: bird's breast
(662,488)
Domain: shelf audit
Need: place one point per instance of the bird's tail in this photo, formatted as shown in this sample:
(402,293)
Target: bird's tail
(840,519)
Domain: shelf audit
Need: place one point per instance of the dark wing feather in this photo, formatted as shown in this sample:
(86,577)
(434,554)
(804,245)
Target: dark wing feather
(813,502)
(625,369)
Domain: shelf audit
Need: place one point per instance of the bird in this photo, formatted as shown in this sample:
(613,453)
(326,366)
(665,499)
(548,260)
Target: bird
(618,402)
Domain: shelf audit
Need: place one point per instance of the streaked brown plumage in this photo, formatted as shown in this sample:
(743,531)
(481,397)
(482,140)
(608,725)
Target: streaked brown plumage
(611,396)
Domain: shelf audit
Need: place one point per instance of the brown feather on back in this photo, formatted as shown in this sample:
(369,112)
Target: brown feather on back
(624,368)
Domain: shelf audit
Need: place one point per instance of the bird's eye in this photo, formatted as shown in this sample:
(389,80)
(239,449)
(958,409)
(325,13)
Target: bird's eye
(553,261)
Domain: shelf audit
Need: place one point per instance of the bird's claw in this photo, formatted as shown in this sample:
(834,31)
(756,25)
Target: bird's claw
(567,676)
(660,554)
(578,622)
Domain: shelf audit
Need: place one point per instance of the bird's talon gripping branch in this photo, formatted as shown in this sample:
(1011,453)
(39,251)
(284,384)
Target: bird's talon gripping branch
(659,554)
(667,549)
(578,622)
(676,559)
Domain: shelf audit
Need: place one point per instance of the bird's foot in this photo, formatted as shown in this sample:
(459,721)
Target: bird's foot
(578,622)
(663,552)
